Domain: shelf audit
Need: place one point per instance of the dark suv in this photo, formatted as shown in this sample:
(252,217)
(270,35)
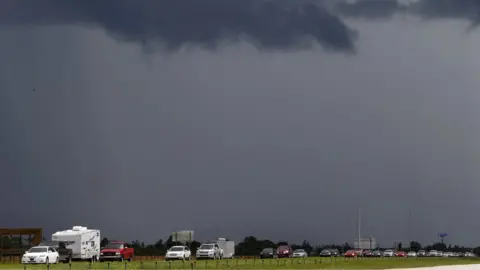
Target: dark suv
(326,253)
(284,251)
(65,254)
(268,253)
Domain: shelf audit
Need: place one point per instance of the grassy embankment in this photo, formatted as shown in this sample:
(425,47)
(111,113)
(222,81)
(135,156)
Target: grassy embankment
(308,263)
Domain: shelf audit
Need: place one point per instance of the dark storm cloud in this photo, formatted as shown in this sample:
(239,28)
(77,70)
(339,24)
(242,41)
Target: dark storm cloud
(271,24)
(428,9)
(451,9)
(456,9)
(368,8)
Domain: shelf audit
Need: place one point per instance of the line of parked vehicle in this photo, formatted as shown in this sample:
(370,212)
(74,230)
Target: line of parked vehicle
(81,243)
(286,251)
(401,253)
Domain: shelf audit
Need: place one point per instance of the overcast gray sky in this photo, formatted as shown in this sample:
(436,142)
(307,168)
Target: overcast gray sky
(225,118)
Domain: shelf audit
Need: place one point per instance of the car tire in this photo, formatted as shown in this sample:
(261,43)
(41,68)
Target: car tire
(47,261)
(56,261)
(122,259)
(130,259)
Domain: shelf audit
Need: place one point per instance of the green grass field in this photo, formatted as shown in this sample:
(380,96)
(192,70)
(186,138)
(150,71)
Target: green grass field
(308,263)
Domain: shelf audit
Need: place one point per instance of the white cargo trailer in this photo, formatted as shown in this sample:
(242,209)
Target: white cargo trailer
(85,242)
(227,246)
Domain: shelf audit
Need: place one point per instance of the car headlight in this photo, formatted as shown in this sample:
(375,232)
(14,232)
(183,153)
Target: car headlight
(117,253)
(101,253)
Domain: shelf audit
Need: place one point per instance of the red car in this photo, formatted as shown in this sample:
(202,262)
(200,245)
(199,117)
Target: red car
(351,253)
(367,253)
(116,251)
(284,251)
(401,254)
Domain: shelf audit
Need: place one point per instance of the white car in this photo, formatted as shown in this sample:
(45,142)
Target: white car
(178,253)
(388,253)
(209,251)
(299,253)
(40,254)
(412,254)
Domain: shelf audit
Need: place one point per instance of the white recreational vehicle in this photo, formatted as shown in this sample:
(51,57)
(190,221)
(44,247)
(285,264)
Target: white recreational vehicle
(85,243)
(228,248)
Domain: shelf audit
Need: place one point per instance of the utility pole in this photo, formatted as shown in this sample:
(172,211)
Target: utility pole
(410,228)
(359,225)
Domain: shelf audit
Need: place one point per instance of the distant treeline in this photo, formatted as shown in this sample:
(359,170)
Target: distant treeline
(251,246)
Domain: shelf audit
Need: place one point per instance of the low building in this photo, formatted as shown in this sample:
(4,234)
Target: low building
(365,243)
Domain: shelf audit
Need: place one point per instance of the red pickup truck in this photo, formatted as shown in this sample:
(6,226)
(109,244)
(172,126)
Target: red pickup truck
(116,251)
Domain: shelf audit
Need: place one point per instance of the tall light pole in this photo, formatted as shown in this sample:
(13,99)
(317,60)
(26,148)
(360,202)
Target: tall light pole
(410,228)
(359,225)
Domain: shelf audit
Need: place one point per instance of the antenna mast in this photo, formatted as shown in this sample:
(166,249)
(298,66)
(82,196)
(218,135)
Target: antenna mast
(359,226)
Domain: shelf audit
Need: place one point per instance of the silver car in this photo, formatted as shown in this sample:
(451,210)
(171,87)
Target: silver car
(412,254)
(299,253)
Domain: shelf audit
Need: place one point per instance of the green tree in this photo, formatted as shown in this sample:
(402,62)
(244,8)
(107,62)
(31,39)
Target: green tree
(415,246)
(104,242)
(439,246)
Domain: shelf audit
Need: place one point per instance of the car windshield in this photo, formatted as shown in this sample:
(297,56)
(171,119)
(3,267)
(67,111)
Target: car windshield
(38,250)
(114,246)
(49,243)
(281,248)
(388,250)
(206,246)
(326,250)
(299,250)
(267,250)
(176,249)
